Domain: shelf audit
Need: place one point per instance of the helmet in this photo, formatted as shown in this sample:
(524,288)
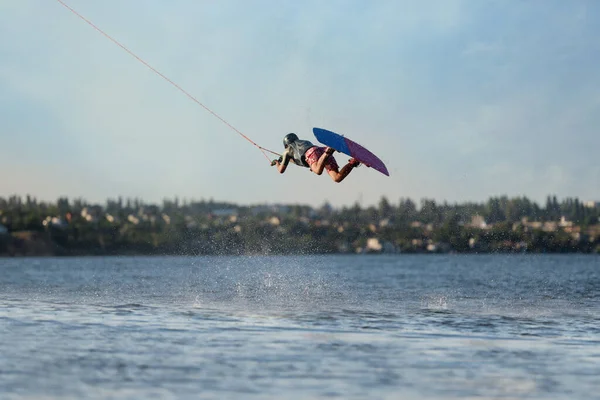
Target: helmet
(288,139)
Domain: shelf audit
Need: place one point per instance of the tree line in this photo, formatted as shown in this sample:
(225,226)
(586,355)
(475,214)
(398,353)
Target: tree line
(131,226)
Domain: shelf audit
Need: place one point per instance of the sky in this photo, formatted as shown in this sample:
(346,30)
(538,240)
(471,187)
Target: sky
(462,99)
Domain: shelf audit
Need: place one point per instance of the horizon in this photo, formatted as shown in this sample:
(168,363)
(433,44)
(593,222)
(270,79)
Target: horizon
(182,201)
(460,100)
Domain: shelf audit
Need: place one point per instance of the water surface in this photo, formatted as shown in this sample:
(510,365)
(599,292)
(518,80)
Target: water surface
(351,327)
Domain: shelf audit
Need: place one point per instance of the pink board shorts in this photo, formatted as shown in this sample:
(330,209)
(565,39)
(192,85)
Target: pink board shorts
(313,154)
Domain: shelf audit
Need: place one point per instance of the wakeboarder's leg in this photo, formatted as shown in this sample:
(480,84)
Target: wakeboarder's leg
(339,176)
(319,166)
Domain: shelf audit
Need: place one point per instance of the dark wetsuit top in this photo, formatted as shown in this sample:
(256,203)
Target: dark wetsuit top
(296,151)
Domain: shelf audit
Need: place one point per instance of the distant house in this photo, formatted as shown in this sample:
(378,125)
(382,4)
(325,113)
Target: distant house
(111,218)
(533,224)
(478,222)
(550,226)
(384,222)
(417,242)
(274,221)
(374,245)
(322,222)
(54,222)
(593,232)
(564,223)
(440,247)
(92,213)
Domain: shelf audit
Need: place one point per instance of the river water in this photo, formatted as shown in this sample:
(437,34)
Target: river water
(303,327)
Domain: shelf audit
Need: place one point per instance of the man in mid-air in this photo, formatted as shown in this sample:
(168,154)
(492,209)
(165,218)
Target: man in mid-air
(306,154)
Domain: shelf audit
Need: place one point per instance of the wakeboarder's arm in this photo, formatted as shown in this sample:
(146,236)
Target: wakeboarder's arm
(283,162)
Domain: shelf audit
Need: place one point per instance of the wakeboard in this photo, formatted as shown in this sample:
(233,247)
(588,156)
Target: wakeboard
(351,148)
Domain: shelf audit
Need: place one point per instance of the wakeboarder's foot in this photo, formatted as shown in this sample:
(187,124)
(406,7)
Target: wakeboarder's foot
(354,162)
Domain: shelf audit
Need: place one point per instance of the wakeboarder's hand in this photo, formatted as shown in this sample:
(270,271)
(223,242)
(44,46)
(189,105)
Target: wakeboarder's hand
(276,162)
